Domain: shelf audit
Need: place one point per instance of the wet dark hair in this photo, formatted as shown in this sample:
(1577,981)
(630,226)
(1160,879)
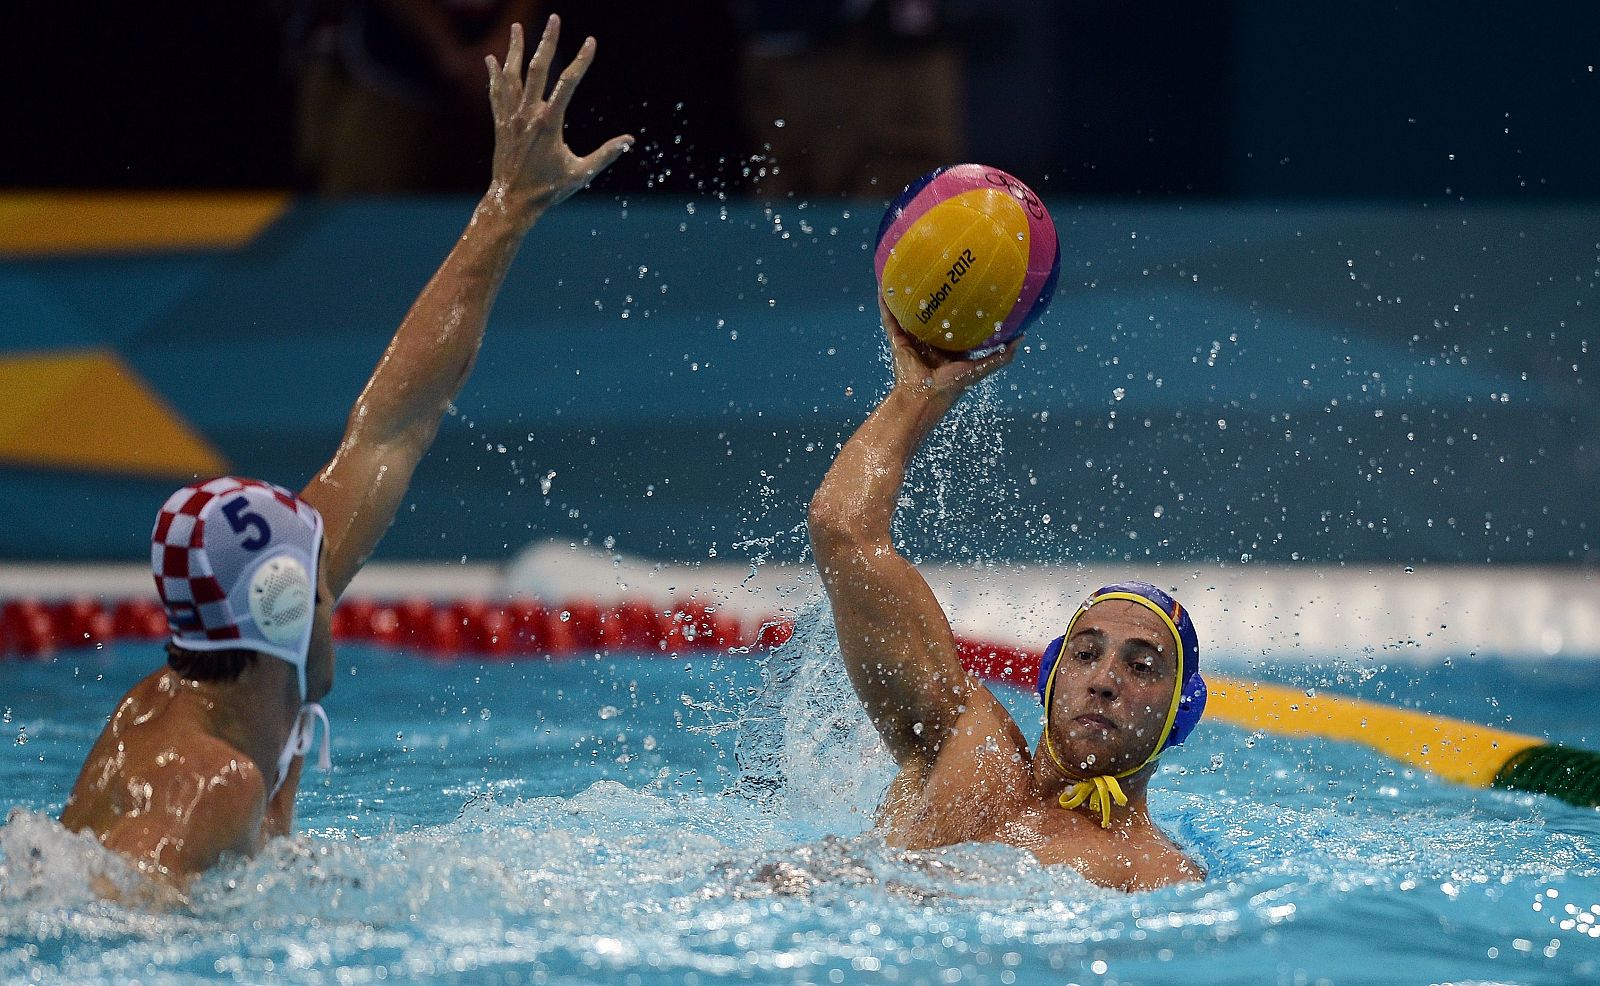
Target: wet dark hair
(209,665)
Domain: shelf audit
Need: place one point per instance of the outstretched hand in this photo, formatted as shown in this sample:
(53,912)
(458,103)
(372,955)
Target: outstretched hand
(533,166)
(933,372)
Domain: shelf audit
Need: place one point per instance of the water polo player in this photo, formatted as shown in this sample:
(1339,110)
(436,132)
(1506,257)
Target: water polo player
(1121,685)
(202,759)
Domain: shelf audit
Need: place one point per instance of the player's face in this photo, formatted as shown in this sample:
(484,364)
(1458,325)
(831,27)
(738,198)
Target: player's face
(1113,688)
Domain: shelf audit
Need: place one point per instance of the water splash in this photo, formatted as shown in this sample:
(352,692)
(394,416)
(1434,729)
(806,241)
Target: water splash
(421,864)
(805,748)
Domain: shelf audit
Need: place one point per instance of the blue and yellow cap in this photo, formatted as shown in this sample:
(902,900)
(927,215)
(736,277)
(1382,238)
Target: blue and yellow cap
(1188,692)
(1191,693)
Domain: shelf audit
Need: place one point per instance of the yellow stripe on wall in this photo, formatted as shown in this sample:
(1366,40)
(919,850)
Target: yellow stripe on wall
(55,223)
(88,411)
(1459,751)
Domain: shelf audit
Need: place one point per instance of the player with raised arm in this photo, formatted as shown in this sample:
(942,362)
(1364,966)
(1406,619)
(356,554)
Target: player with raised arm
(201,760)
(1119,687)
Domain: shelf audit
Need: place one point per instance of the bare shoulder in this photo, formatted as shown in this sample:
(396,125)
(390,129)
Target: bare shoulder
(144,700)
(1134,858)
(223,781)
(189,808)
(144,738)
(980,773)
(1179,867)
(1158,862)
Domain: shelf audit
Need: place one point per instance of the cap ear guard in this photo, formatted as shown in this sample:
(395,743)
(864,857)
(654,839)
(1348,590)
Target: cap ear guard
(1047,663)
(282,603)
(1191,706)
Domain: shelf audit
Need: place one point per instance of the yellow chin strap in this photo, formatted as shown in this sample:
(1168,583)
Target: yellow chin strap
(1099,793)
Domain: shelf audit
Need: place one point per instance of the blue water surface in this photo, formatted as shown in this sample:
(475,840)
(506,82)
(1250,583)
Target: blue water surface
(616,820)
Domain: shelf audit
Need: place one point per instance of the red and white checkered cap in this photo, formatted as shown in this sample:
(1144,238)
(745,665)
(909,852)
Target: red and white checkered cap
(210,539)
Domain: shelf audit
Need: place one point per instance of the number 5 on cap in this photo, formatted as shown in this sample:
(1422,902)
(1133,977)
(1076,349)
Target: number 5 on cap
(242,518)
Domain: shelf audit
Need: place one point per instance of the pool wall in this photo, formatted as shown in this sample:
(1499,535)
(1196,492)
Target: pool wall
(1352,385)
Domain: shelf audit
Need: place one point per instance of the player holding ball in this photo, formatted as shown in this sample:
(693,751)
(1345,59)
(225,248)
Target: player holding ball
(966,258)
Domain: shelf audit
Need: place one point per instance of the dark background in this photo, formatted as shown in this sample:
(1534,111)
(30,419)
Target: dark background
(1328,275)
(1252,100)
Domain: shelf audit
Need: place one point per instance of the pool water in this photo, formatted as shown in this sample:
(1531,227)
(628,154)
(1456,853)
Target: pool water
(706,820)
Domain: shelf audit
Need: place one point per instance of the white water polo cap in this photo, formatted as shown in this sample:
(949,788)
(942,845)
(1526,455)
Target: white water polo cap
(235,562)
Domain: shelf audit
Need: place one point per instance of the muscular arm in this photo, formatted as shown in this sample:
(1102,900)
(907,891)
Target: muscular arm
(395,419)
(397,415)
(895,639)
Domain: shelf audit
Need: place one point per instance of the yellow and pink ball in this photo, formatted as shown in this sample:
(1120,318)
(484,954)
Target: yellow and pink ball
(967,258)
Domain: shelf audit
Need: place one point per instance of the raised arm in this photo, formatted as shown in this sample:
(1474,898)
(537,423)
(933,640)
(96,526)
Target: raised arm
(397,415)
(895,639)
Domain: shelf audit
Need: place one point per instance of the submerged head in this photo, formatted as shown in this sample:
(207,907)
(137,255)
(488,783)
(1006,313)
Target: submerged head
(237,564)
(1123,683)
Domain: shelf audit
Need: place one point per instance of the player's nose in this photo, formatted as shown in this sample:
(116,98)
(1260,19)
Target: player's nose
(1103,682)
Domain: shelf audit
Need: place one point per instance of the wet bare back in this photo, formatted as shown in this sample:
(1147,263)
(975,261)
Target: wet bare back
(161,787)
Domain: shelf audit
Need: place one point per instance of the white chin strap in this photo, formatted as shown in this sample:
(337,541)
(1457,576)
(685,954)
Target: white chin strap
(302,735)
(283,604)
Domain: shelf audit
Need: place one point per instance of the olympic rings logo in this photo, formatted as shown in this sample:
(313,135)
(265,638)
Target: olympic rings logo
(1022,192)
